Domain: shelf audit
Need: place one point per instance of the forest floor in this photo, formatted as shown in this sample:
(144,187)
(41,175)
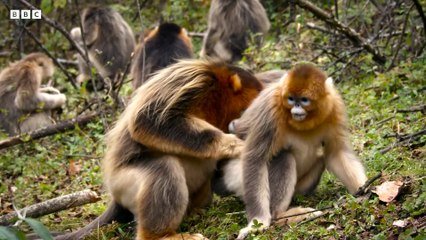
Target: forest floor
(69,162)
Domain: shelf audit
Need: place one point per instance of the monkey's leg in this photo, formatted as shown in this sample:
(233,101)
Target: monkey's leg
(162,202)
(308,182)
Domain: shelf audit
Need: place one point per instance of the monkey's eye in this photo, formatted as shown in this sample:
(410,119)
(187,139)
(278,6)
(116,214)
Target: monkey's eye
(290,100)
(305,101)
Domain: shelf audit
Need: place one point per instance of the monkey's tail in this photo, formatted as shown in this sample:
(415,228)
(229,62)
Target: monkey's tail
(114,212)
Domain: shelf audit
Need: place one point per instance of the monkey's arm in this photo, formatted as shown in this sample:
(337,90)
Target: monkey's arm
(262,143)
(185,135)
(39,101)
(342,161)
(256,157)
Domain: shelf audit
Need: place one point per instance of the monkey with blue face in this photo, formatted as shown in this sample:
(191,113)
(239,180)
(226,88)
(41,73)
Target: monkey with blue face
(293,132)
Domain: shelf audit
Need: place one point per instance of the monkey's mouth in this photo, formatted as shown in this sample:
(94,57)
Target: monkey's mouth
(298,117)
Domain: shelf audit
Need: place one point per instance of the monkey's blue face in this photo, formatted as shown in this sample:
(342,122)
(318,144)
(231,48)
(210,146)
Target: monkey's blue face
(298,104)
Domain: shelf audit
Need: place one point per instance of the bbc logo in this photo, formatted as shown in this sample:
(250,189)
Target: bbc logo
(25,14)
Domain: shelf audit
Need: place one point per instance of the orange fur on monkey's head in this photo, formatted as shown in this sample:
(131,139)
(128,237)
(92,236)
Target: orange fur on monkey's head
(304,79)
(213,91)
(236,89)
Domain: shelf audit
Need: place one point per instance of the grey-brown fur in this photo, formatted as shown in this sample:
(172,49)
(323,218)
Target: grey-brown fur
(229,27)
(109,40)
(24,104)
(261,129)
(269,77)
(163,46)
(278,159)
(163,150)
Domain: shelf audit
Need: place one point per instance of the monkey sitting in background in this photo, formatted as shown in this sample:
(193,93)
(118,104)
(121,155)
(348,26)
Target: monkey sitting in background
(229,27)
(164,45)
(109,40)
(293,131)
(163,150)
(24,105)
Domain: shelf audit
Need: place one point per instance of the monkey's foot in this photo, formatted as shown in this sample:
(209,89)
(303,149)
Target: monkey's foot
(185,236)
(250,229)
(297,214)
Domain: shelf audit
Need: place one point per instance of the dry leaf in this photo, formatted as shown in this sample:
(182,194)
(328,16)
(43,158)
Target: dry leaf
(74,168)
(388,190)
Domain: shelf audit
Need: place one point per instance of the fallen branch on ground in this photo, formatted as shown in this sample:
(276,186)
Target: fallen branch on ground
(359,193)
(403,140)
(53,205)
(421,108)
(49,130)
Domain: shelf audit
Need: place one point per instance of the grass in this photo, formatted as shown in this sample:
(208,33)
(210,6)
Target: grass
(38,170)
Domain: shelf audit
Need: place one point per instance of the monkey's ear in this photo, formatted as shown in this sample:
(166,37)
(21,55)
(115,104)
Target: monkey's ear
(235,83)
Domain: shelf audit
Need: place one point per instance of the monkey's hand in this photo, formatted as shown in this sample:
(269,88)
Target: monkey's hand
(230,146)
(50,90)
(251,228)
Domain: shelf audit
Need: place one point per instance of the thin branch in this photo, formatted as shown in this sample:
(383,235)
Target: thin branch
(142,40)
(398,46)
(421,108)
(58,27)
(140,6)
(421,13)
(403,140)
(53,205)
(303,213)
(361,190)
(117,85)
(57,63)
(311,219)
(385,120)
(355,37)
(67,62)
(312,25)
(49,130)
(292,17)
(196,34)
